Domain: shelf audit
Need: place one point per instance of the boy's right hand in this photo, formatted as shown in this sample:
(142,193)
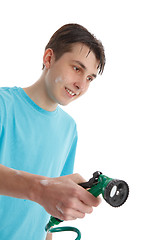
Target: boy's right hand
(63,198)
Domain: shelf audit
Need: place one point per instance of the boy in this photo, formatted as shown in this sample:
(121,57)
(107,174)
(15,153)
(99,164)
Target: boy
(38,139)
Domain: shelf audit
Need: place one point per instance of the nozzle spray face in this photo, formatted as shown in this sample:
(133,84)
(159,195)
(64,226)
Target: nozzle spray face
(116,192)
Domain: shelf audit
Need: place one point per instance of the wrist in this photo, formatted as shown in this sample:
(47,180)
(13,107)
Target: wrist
(38,188)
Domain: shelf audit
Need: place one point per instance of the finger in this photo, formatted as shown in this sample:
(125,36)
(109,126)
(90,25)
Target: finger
(65,216)
(99,199)
(74,214)
(81,207)
(88,198)
(68,218)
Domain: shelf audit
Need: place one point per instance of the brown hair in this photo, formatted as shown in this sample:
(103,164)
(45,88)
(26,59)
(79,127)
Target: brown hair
(62,40)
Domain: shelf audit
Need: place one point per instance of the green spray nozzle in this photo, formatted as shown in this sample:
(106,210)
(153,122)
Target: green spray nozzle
(115,192)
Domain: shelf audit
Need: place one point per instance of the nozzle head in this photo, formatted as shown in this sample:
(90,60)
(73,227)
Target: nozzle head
(116,192)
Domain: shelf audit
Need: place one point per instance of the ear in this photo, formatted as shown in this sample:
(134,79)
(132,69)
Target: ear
(48,57)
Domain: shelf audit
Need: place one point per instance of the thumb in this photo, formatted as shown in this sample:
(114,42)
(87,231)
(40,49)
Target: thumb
(77,178)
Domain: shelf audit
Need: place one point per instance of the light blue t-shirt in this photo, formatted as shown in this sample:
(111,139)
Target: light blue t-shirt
(36,141)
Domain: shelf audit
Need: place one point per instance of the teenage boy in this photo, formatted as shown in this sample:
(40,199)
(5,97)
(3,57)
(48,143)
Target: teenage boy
(38,139)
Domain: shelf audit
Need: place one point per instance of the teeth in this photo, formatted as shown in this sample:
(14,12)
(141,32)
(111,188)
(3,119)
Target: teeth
(70,92)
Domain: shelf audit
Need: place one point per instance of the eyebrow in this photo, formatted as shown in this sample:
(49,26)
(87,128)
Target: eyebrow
(84,67)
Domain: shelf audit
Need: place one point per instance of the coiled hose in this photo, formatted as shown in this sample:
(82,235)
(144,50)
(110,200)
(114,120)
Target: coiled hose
(63,229)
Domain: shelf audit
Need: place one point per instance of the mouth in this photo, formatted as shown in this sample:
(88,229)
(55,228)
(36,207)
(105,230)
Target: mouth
(70,92)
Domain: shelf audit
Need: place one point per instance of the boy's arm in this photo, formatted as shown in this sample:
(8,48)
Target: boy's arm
(49,236)
(61,197)
(18,184)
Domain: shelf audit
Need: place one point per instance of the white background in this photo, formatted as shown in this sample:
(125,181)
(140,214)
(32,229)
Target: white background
(119,118)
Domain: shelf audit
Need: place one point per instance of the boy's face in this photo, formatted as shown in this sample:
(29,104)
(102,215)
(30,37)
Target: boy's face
(69,77)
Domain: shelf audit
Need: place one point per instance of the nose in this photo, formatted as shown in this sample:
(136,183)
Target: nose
(80,84)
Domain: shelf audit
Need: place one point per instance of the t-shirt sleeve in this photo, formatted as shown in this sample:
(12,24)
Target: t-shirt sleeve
(69,163)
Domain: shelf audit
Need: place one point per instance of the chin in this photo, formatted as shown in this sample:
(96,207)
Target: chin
(64,103)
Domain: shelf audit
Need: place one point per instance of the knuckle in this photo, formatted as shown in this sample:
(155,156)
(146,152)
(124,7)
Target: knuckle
(78,178)
(62,217)
(66,218)
(75,192)
(69,203)
(66,212)
(77,175)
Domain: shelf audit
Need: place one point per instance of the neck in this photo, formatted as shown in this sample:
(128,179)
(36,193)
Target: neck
(38,93)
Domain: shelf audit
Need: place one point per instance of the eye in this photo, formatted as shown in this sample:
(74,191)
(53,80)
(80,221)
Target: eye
(89,78)
(77,69)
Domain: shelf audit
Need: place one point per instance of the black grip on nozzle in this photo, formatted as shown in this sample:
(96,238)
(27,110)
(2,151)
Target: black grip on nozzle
(92,181)
(116,193)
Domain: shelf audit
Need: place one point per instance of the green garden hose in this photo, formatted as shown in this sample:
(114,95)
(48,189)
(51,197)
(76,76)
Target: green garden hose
(63,229)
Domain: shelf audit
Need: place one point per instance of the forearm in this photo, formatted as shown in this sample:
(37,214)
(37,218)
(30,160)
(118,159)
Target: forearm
(61,197)
(19,184)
